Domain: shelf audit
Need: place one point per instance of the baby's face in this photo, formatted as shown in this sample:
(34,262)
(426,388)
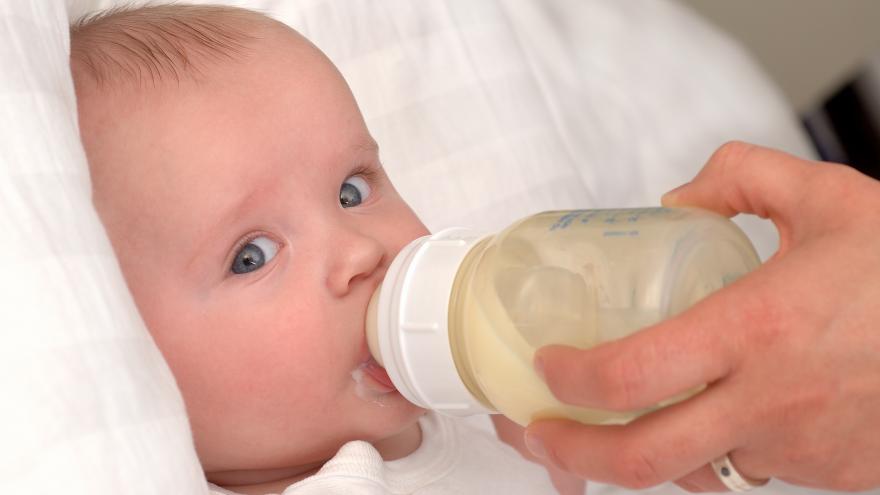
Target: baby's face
(252,221)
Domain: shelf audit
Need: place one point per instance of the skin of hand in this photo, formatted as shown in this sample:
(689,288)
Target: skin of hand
(513,434)
(790,352)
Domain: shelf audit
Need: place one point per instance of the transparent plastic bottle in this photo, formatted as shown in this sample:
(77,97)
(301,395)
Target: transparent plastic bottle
(459,316)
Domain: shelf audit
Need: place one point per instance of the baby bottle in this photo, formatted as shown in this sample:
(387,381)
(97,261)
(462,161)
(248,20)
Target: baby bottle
(459,316)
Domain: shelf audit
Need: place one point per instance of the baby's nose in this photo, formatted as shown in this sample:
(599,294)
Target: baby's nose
(354,259)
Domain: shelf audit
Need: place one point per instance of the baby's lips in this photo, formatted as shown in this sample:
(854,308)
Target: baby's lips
(373,370)
(372,382)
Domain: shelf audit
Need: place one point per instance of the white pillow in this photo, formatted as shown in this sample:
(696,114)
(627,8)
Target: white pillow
(486,111)
(490,110)
(88,404)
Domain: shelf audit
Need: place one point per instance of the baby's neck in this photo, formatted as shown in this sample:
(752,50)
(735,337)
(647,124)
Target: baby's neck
(261,482)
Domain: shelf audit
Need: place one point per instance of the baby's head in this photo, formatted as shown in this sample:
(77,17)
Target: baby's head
(252,220)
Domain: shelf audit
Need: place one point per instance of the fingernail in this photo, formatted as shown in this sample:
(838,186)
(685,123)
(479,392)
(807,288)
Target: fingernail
(535,445)
(538,363)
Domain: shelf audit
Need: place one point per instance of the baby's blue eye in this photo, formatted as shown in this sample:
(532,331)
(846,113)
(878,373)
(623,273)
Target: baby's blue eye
(354,191)
(254,255)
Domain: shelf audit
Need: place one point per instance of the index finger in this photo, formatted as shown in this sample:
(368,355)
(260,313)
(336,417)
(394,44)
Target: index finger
(699,346)
(745,178)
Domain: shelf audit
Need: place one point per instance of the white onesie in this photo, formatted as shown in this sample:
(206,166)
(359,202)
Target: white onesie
(454,458)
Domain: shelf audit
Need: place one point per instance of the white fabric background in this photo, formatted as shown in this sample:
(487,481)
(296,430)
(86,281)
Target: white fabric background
(489,111)
(485,111)
(87,404)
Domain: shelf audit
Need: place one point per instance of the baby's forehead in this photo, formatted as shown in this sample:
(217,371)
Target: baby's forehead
(167,43)
(163,142)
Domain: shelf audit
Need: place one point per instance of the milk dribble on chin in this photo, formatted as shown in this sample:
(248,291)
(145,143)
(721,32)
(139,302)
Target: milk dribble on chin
(366,390)
(460,315)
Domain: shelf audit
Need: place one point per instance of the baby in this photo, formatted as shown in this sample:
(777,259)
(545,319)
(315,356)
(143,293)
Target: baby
(251,217)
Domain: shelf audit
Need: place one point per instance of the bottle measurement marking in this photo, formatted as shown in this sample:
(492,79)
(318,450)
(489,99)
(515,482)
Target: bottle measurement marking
(620,233)
(610,217)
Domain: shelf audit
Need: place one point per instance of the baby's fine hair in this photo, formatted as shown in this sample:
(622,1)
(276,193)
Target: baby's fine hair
(156,43)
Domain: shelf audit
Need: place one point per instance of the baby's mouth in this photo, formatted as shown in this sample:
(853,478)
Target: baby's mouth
(372,382)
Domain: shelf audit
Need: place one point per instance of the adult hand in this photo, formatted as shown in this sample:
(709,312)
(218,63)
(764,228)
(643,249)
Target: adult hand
(790,352)
(511,433)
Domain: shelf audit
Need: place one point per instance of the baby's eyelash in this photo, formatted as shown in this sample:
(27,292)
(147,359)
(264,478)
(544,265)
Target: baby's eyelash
(371,174)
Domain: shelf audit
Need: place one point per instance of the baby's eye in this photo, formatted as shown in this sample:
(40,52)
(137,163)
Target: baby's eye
(256,253)
(354,191)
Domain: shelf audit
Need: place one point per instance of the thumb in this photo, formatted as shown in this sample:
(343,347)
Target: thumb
(744,178)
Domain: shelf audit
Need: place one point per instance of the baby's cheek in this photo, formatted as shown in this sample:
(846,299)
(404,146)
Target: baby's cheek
(301,351)
(406,226)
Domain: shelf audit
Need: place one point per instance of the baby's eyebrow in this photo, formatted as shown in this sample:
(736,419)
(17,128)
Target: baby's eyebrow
(368,145)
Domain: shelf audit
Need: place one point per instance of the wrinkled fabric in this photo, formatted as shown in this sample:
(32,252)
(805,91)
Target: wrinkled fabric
(88,404)
(454,458)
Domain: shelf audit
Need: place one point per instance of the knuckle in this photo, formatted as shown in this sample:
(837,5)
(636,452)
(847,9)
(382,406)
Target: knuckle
(635,468)
(731,153)
(621,382)
(565,380)
(731,169)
